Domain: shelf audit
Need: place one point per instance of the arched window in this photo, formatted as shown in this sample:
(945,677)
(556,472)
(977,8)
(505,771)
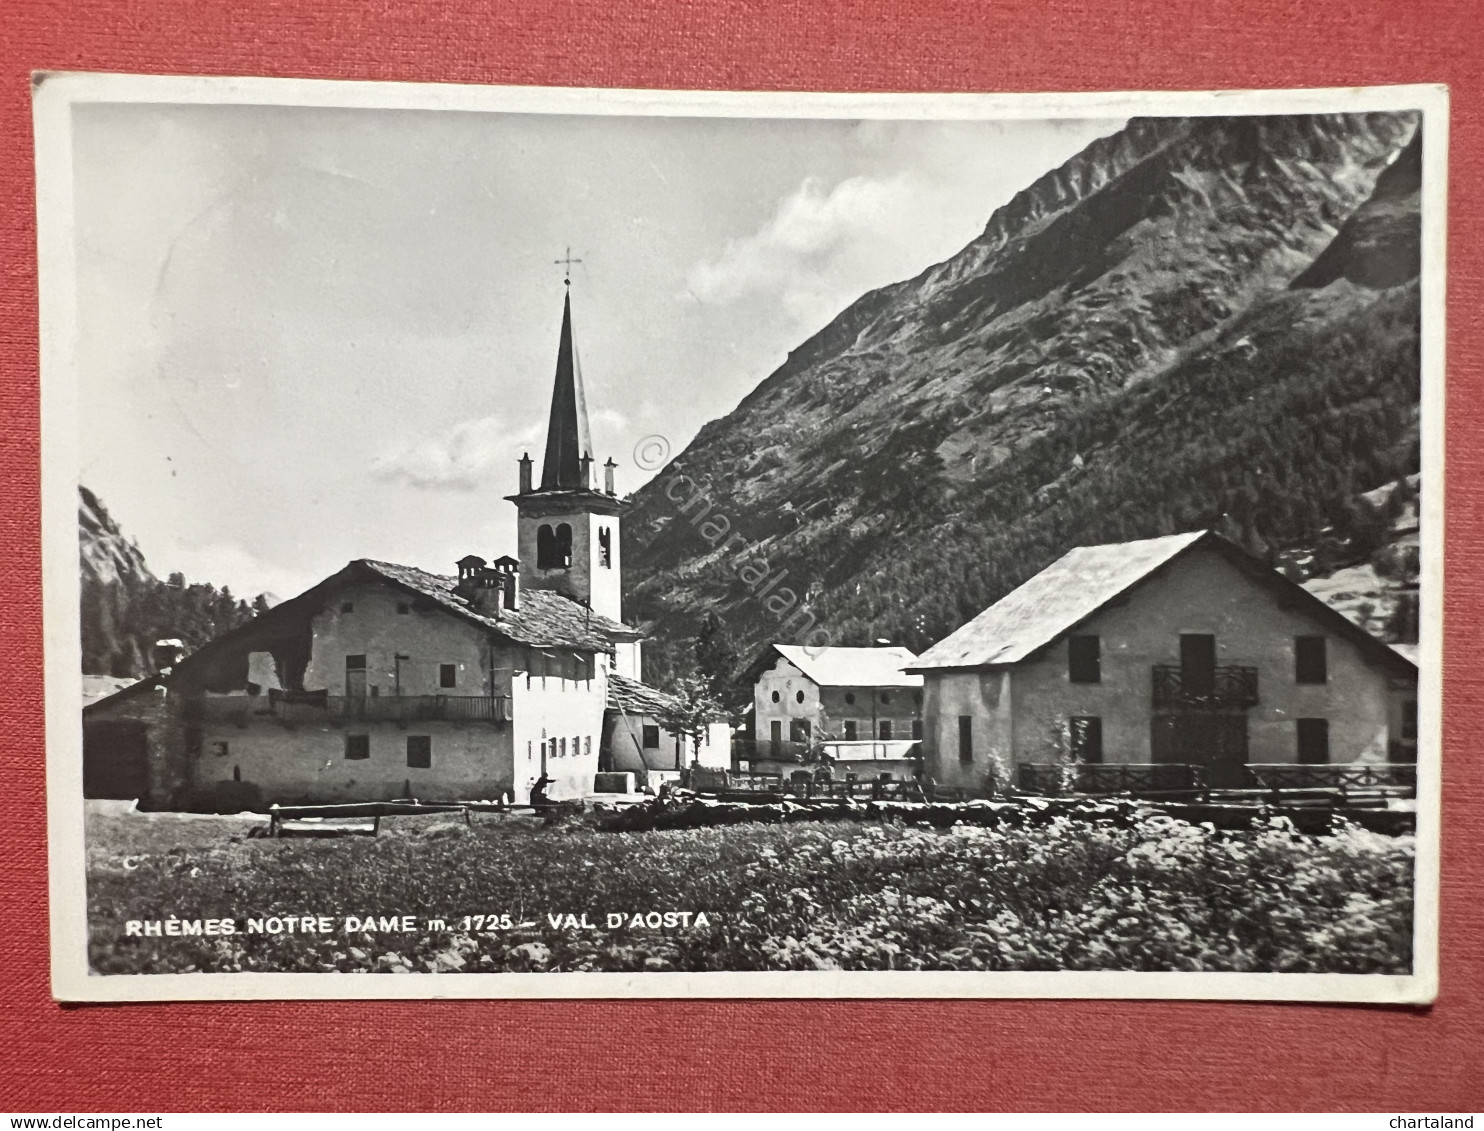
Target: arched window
(563,547)
(545,548)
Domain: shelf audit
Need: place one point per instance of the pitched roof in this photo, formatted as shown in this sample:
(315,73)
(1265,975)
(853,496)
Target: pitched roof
(852,667)
(1085,579)
(1068,590)
(567,439)
(634,697)
(544,619)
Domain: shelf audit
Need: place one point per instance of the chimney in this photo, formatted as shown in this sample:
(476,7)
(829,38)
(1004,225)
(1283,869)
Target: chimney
(507,571)
(525,473)
(479,585)
(608,476)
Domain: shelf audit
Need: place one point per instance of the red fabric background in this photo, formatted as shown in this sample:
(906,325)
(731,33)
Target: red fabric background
(742,1055)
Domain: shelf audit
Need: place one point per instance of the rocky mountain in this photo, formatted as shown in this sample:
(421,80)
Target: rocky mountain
(108,558)
(1194,322)
(126,608)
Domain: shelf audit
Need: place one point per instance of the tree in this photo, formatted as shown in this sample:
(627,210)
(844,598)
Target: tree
(716,660)
(690,711)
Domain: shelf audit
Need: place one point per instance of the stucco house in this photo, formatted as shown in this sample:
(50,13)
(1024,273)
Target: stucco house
(634,739)
(1180,651)
(857,705)
(387,681)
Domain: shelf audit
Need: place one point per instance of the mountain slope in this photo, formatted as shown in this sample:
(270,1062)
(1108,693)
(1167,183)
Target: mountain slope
(1119,354)
(126,608)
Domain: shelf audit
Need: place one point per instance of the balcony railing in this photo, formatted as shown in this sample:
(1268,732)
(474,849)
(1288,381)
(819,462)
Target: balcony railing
(311,707)
(1110,778)
(1392,777)
(1230,688)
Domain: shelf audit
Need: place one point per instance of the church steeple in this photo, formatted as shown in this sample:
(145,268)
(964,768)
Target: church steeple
(568,462)
(568,529)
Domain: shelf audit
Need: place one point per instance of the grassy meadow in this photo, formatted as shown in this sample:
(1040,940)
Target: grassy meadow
(1159,895)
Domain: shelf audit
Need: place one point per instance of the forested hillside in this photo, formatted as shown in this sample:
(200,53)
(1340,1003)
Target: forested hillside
(1194,323)
(126,608)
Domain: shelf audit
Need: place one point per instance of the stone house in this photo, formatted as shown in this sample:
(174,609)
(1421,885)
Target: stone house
(387,681)
(857,705)
(634,739)
(1175,651)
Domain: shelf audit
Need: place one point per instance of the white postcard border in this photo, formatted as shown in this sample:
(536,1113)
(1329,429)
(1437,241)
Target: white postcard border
(54,96)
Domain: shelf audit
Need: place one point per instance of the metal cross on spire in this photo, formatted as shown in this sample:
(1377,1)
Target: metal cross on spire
(566,266)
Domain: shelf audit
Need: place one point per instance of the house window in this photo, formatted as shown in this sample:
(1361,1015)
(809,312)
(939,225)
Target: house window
(799,696)
(1309,660)
(886,696)
(420,751)
(545,547)
(884,730)
(219,749)
(347,606)
(1313,741)
(587,746)
(357,747)
(561,748)
(403,608)
(775,696)
(850,730)
(1087,738)
(775,737)
(798,730)
(1085,659)
(651,737)
(850,698)
(966,738)
(448,675)
(916,730)
(355,676)
(605,548)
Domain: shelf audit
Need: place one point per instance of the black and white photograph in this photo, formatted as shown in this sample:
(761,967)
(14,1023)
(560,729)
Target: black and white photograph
(618,543)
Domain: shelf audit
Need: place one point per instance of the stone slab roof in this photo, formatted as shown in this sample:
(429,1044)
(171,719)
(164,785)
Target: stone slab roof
(632,697)
(544,619)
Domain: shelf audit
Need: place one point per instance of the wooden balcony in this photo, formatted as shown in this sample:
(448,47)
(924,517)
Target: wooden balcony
(1135,778)
(1230,688)
(312,707)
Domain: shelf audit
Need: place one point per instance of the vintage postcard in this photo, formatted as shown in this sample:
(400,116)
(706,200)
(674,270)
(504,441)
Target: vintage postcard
(596,543)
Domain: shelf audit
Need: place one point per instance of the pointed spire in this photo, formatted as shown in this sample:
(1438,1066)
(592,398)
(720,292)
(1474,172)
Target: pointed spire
(567,440)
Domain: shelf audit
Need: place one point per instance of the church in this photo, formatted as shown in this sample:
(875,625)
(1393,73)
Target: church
(386,681)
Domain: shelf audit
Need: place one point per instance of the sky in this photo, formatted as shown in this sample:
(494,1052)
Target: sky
(309,335)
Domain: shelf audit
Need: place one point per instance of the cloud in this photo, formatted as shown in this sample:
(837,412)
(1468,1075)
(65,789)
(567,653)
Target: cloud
(463,459)
(811,253)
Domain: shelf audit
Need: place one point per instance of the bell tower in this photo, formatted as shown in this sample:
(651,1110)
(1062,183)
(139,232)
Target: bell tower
(568,527)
